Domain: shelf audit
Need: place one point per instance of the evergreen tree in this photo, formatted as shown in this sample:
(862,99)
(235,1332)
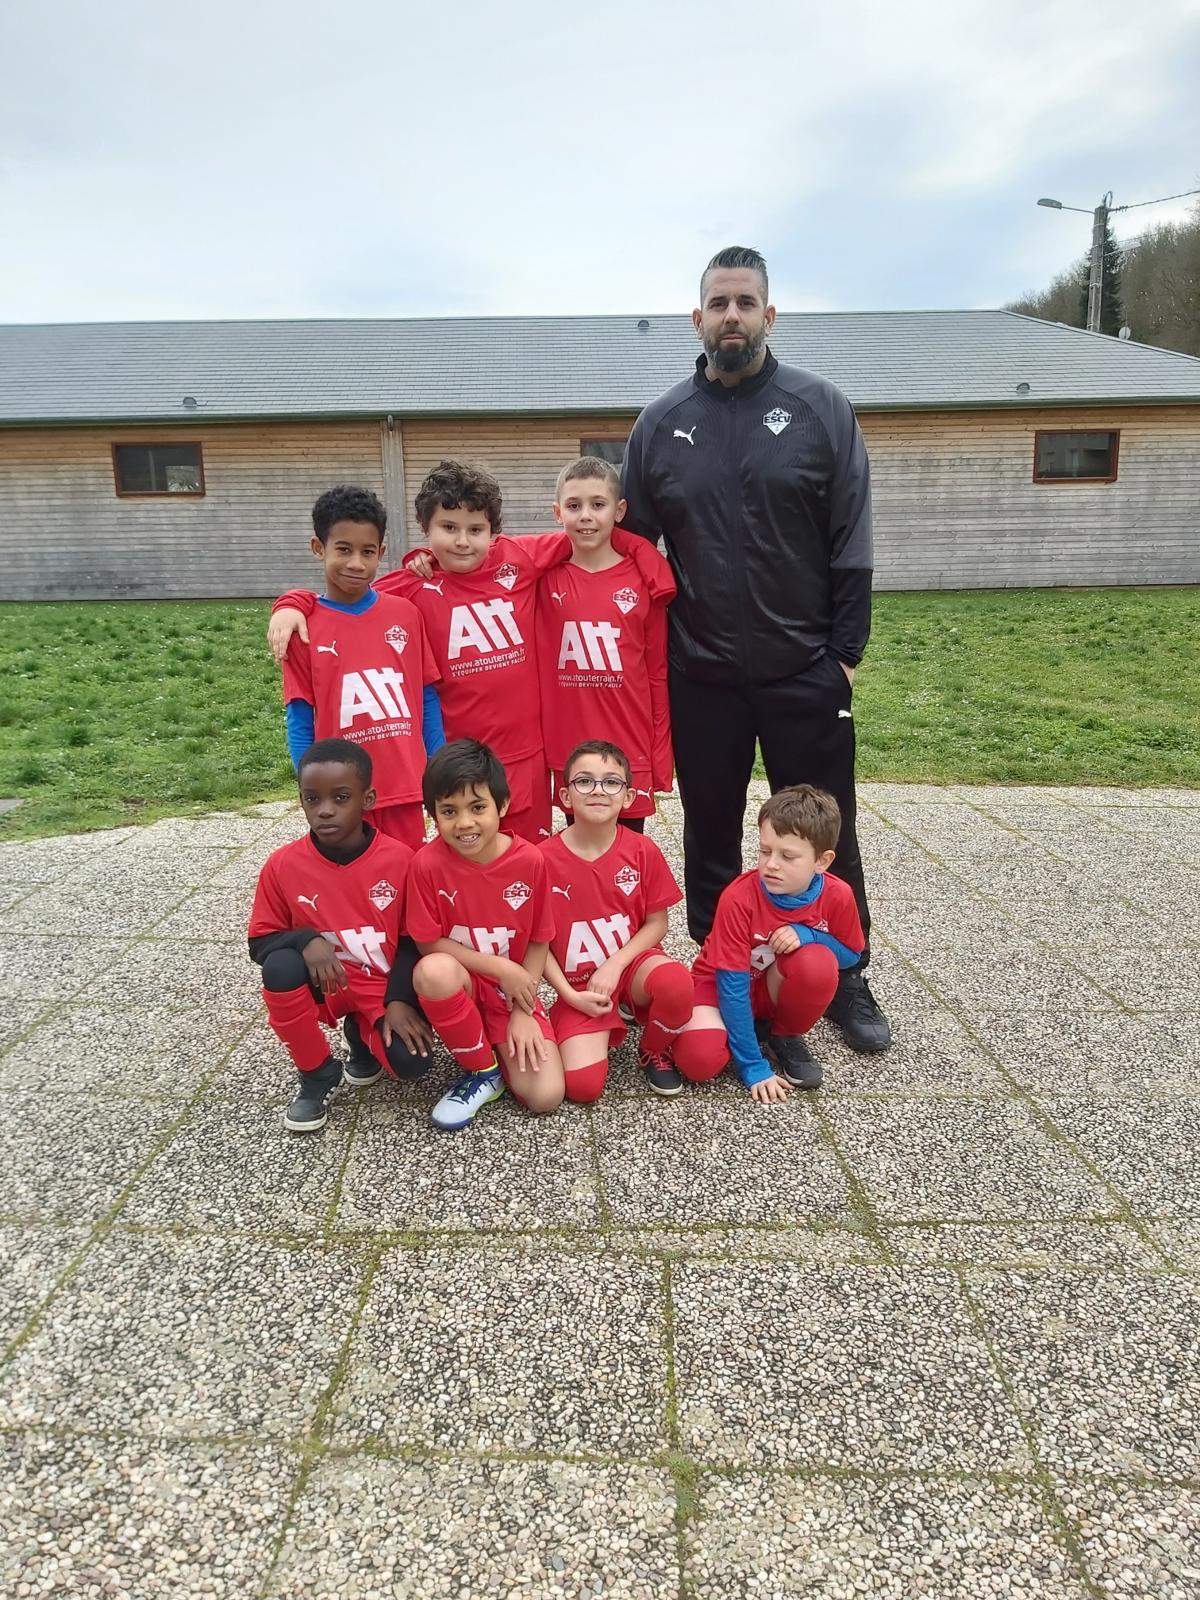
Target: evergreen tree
(1111,309)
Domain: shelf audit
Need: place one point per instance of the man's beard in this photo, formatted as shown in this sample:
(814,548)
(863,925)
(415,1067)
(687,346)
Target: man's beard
(736,358)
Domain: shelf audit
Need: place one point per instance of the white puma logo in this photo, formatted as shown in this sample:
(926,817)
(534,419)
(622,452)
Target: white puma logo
(679,433)
(844,713)
(303,900)
(446,894)
(566,893)
(328,650)
(554,595)
(436,587)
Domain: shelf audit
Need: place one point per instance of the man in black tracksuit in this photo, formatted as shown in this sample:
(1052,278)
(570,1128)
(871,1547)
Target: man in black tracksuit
(755,475)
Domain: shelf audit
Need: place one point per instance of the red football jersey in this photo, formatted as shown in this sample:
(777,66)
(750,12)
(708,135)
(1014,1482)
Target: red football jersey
(364,676)
(499,909)
(358,907)
(602,649)
(599,905)
(746,919)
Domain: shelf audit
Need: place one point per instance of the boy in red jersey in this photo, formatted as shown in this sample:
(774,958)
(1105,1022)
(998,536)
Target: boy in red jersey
(365,672)
(610,889)
(769,968)
(602,640)
(478,906)
(326,930)
(476,590)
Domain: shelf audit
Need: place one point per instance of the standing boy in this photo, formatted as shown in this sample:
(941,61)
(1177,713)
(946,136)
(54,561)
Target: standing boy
(602,641)
(611,889)
(326,930)
(364,672)
(478,906)
(782,933)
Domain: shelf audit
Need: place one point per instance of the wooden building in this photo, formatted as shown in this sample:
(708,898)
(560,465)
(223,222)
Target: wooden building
(182,459)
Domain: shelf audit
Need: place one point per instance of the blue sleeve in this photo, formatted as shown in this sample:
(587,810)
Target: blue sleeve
(733,993)
(845,956)
(301,727)
(433,730)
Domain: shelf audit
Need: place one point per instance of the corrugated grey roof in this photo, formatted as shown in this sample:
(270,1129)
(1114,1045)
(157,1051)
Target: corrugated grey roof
(140,371)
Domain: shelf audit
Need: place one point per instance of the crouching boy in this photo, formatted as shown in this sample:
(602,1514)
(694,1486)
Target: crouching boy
(781,933)
(611,889)
(326,930)
(478,907)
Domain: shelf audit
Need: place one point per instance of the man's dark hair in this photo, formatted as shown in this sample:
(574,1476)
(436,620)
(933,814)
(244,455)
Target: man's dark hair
(602,748)
(733,258)
(464,764)
(343,752)
(452,484)
(345,502)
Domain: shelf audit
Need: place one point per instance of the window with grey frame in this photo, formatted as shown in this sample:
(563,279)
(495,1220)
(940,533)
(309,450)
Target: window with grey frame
(1075,455)
(609,449)
(158,469)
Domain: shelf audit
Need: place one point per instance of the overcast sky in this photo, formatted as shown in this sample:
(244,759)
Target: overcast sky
(261,159)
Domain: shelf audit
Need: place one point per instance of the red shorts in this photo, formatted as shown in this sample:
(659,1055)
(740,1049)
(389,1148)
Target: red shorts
(368,1008)
(494,1010)
(571,1024)
(529,815)
(760,996)
(643,796)
(406,822)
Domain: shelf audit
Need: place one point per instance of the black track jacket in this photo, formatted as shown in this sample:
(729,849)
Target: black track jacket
(762,494)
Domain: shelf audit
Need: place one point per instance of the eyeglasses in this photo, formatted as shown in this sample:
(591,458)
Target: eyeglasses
(610,784)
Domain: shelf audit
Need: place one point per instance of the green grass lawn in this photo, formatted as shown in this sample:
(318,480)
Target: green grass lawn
(115,712)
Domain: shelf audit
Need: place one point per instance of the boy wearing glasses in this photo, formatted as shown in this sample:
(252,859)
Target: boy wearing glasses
(610,890)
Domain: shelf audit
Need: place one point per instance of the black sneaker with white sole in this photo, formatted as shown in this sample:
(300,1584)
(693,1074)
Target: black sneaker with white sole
(361,1069)
(794,1061)
(661,1075)
(309,1110)
(855,1010)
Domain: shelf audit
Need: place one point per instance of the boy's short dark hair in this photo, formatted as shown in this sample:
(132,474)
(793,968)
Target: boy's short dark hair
(602,748)
(733,258)
(452,484)
(589,467)
(464,764)
(342,751)
(809,813)
(345,502)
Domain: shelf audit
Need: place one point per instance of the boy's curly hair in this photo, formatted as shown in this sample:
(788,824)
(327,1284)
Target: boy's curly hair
(346,502)
(452,484)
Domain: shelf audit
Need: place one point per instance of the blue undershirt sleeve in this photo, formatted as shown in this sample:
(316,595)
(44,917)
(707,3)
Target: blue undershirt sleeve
(733,993)
(433,730)
(845,956)
(301,728)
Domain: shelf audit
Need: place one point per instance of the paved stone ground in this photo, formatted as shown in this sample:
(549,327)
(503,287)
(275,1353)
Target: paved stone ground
(932,1332)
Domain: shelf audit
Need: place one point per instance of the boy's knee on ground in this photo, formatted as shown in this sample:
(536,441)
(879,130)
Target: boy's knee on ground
(403,1062)
(283,970)
(583,1085)
(701,1053)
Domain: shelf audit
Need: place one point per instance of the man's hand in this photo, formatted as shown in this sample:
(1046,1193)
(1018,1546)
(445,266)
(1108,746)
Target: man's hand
(421,564)
(324,968)
(606,978)
(589,1002)
(525,1045)
(406,1023)
(520,990)
(784,940)
(849,671)
(280,628)
(771,1091)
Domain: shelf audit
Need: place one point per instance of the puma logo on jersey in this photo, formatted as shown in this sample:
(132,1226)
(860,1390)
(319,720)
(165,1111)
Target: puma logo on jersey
(589,944)
(507,575)
(328,650)
(564,890)
(377,693)
(304,900)
(590,647)
(555,595)
(436,587)
(679,433)
(483,626)
(449,894)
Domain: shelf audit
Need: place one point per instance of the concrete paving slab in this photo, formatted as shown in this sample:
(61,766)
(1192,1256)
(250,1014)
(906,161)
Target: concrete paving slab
(1145,979)
(1102,1053)
(35,966)
(850,1367)
(134,1050)
(217,978)
(932,1054)
(1017,972)
(1145,1148)
(1114,1246)
(1103,1367)
(1181,1241)
(16,1018)
(73,908)
(1138,1540)
(222,914)
(33,1258)
(147,861)
(169,1337)
(497,1351)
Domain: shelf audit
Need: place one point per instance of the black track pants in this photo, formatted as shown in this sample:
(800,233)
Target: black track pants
(807,736)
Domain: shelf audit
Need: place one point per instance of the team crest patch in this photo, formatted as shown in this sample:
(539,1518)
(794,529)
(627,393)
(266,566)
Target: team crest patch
(516,894)
(507,575)
(625,600)
(627,880)
(381,894)
(397,638)
(777,420)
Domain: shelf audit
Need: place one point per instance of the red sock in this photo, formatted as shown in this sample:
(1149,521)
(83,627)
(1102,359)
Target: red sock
(672,1000)
(459,1025)
(810,976)
(585,1084)
(701,1054)
(292,1013)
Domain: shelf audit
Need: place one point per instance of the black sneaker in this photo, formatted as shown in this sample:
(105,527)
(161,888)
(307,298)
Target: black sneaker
(307,1111)
(794,1061)
(361,1069)
(855,1010)
(662,1077)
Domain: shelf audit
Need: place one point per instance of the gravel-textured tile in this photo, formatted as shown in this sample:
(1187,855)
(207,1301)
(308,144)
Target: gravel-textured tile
(175,976)
(135,1050)
(961,1160)
(1139,1543)
(177,1337)
(16,1016)
(716,1158)
(982,972)
(152,1522)
(844,1366)
(1103,1366)
(931,1053)
(494,1350)
(31,1260)
(209,914)
(259,1065)
(1066,1050)
(1145,979)
(1114,1245)
(229,830)
(1181,1241)
(44,860)
(1145,1148)
(778,1539)
(37,966)
(108,910)
(145,861)
(69,1158)
(378,1530)
(818,1245)
(509,1170)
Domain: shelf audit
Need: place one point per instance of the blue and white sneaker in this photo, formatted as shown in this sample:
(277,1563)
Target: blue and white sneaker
(461,1104)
